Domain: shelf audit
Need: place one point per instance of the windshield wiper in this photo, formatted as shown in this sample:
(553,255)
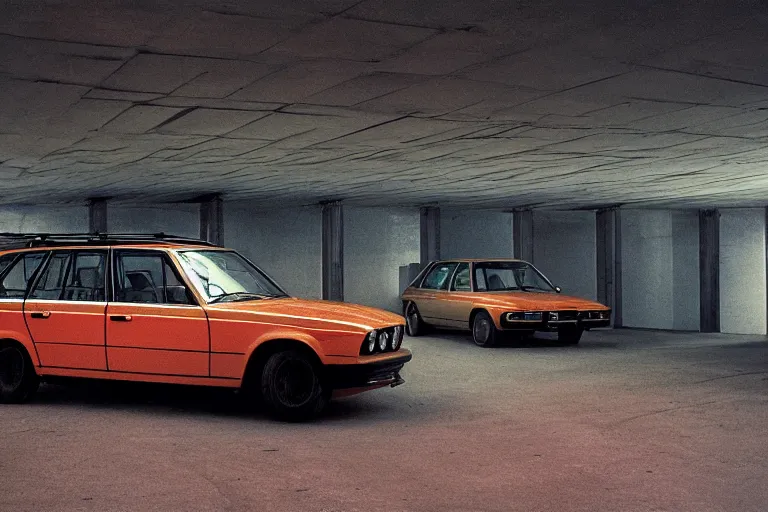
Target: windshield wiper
(240,296)
(525,288)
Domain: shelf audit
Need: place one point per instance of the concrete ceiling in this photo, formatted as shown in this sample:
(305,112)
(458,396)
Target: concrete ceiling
(491,103)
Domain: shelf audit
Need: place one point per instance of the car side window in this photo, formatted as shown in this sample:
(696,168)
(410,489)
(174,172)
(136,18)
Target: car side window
(438,277)
(461,279)
(15,280)
(480,279)
(148,278)
(73,275)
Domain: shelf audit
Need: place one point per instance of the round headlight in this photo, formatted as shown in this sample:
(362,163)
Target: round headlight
(383,340)
(397,338)
(371,342)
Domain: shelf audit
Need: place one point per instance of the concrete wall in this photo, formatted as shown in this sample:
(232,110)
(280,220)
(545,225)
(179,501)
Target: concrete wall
(685,269)
(286,244)
(172,219)
(564,249)
(377,242)
(475,234)
(647,264)
(51,219)
(742,271)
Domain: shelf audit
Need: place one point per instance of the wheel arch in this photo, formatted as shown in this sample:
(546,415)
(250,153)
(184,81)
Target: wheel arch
(28,347)
(495,318)
(264,348)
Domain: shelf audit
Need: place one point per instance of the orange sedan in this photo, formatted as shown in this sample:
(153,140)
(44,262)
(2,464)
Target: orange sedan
(491,296)
(179,311)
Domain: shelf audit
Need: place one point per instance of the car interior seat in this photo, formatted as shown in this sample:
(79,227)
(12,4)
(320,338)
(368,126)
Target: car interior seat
(88,285)
(495,282)
(142,289)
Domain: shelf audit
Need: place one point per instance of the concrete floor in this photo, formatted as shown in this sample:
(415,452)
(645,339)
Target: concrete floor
(627,421)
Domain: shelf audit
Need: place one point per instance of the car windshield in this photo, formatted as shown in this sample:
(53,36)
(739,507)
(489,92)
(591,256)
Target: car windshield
(225,276)
(510,275)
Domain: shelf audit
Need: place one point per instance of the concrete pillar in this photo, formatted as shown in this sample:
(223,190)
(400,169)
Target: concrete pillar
(608,226)
(97,215)
(522,234)
(333,251)
(430,234)
(709,270)
(212,219)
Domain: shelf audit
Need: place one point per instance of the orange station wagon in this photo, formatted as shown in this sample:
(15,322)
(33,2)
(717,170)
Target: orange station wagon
(173,310)
(492,296)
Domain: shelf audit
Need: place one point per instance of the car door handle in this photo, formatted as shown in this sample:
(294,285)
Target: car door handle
(40,314)
(120,318)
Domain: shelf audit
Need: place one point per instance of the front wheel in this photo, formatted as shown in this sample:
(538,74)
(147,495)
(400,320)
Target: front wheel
(292,387)
(484,332)
(18,380)
(570,335)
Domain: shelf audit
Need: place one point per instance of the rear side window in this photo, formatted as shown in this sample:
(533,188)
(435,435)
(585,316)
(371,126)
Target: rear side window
(16,276)
(74,276)
(438,277)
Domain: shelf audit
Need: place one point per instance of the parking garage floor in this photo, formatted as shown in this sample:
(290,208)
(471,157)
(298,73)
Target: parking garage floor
(627,421)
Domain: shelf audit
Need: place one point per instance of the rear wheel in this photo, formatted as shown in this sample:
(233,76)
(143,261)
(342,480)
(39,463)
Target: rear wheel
(413,323)
(292,386)
(569,335)
(18,380)
(484,332)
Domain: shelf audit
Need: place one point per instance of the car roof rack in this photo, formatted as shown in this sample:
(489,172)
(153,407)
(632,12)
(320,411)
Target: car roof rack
(21,240)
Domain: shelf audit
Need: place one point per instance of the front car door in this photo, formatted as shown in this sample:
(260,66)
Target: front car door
(154,325)
(65,308)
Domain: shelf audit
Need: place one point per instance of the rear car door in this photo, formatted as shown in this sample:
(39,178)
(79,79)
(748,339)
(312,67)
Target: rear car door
(434,292)
(154,325)
(457,304)
(65,310)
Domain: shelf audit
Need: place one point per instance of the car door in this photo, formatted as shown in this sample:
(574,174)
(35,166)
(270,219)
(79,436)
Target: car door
(434,292)
(457,304)
(65,310)
(154,325)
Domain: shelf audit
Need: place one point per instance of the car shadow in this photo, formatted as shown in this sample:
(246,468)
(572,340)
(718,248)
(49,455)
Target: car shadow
(537,341)
(173,400)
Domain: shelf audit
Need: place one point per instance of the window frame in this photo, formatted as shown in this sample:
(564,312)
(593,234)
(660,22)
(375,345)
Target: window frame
(72,252)
(452,287)
(167,260)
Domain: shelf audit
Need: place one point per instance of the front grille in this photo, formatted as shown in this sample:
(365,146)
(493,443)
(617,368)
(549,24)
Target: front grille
(564,315)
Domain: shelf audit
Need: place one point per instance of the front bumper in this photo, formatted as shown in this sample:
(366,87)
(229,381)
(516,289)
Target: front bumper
(368,375)
(555,320)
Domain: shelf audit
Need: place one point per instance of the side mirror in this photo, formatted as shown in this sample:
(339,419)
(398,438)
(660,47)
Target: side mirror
(558,289)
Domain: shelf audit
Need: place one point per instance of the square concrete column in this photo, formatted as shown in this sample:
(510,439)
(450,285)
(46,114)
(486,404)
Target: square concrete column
(429,234)
(97,215)
(333,251)
(709,270)
(608,231)
(212,219)
(522,234)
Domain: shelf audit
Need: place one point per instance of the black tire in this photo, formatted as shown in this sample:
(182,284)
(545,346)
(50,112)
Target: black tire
(292,386)
(18,380)
(484,331)
(570,335)
(414,325)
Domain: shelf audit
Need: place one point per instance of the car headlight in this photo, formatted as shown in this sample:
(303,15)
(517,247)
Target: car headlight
(371,342)
(397,338)
(383,340)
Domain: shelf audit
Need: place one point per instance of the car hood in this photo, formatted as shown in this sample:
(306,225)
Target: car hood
(534,301)
(293,310)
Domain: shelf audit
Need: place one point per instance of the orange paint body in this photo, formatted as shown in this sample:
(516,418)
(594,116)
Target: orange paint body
(199,343)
